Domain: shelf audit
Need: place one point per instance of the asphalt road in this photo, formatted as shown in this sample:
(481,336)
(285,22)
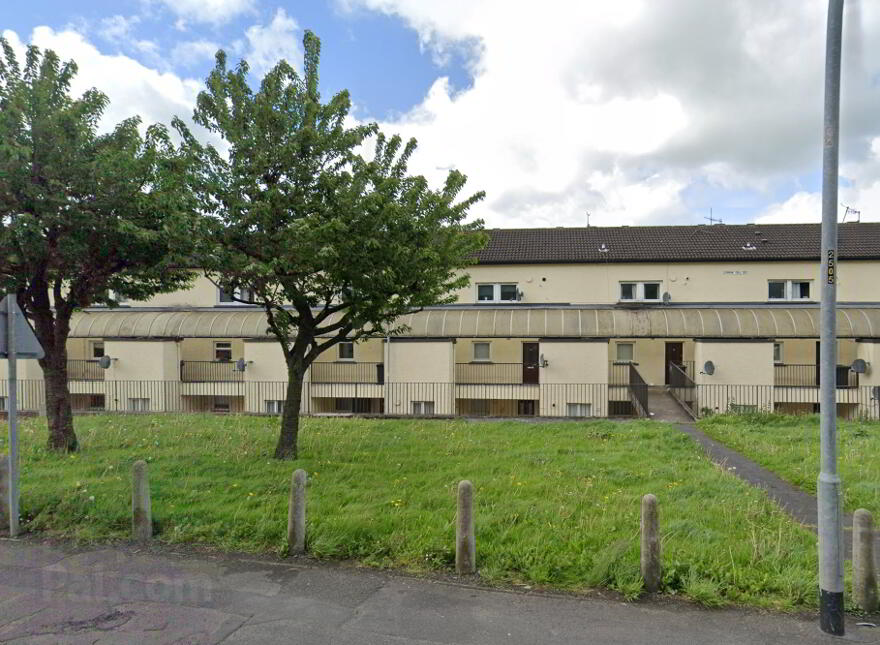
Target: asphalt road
(58,594)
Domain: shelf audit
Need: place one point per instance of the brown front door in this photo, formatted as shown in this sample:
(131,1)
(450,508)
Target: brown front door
(530,363)
(674,354)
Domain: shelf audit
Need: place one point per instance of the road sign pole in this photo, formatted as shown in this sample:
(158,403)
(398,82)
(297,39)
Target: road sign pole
(11,313)
(830,518)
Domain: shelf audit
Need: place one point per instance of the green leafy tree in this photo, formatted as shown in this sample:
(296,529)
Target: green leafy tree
(333,247)
(85,218)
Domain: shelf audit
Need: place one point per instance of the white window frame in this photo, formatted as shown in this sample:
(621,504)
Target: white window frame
(236,293)
(780,353)
(274,406)
(788,289)
(578,408)
(423,408)
(640,291)
(632,352)
(94,345)
(488,358)
(138,404)
(339,356)
(496,291)
(217,347)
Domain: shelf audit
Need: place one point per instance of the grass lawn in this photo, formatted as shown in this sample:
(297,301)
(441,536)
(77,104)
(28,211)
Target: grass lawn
(789,446)
(556,504)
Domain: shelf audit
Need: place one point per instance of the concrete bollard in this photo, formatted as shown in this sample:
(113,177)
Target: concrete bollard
(141,511)
(650,545)
(465,543)
(296,513)
(4,492)
(864,577)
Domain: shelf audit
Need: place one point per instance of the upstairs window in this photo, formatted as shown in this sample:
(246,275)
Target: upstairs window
(225,297)
(639,291)
(788,290)
(497,292)
(346,351)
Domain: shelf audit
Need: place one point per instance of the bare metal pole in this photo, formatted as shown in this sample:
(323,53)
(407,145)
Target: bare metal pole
(830,519)
(12,415)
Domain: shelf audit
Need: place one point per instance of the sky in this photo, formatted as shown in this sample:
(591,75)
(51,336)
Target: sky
(566,112)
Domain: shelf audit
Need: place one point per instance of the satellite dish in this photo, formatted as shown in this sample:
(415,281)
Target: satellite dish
(104,362)
(666,298)
(709,368)
(859,366)
(240,364)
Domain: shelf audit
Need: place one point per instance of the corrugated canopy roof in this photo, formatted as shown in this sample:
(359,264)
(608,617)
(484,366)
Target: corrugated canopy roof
(506,322)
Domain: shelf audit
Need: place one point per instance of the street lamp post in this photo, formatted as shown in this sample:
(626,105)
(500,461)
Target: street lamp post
(830,520)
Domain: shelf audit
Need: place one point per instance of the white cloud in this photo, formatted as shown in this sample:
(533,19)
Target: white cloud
(860,191)
(208,11)
(133,88)
(267,44)
(191,53)
(117,28)
(618,108)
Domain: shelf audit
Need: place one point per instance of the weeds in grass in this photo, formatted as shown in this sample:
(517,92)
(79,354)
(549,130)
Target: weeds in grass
(789,446)
(556,504)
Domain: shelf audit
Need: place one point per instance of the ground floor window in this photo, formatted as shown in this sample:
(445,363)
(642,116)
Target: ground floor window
(96,402)
(578,409)
(356,406)
(423,408)
(274,407)
(526,408)
(2,404)
(221,404)
(139,404)
(480,407)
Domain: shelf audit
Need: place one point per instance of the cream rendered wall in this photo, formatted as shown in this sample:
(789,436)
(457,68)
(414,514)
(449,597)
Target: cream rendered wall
(369,350)
(650,355)
(202,293)
(134,360)
(576,372)
(747,364)
(27,369)
(685,282)
(202,349)
(501,350)
(420,371)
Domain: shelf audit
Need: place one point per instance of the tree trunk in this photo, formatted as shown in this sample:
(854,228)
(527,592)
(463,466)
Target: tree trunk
(58,409)
(52,331)
(287,440)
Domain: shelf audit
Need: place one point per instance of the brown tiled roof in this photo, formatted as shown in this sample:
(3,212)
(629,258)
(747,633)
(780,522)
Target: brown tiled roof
(706,243)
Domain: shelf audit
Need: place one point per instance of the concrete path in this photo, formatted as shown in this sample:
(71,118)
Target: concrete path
(663,407)
(794,501)
(57,595)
